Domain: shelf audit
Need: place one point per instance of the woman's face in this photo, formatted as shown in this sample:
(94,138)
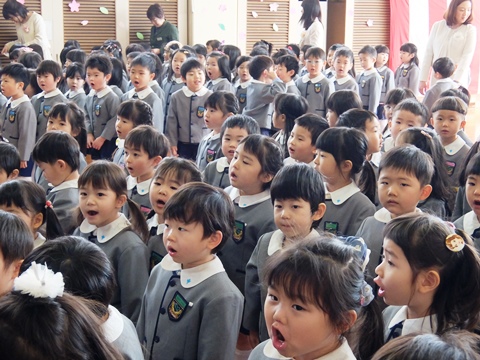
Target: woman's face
(463,12)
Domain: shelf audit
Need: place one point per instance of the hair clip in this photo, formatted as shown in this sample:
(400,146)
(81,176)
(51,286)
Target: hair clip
(40,282)
(454,243)
(426,134)
(48,204)
(367,294)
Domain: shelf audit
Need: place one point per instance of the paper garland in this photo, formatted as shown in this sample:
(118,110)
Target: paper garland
(74,6)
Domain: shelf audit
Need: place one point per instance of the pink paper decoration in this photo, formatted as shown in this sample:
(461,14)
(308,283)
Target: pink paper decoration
(74,6)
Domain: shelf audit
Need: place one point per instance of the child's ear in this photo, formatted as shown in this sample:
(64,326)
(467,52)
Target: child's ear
(20,85)
(266,178)
(37,220)
(183,79)
(428,281)
(152,76)
(156,160)
(62,164)
(351,317)
(14,174)
(16,268)
(318,214)
(426,191)
(215,239)
(108,77)
(121,200)
(462,124)
(347,165)
(291,73)
(431,122)
(58,79)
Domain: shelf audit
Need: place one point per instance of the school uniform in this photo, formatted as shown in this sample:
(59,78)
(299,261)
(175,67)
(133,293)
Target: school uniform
(147,95)
(209,149)
(433,94)
(119,155)
(434,206)
(290,161)
(388,83)
(43,103)
(329,73)
(396,324)
(129,257)
(260,101)
(117,91)
(78,97)
(345,83)
(220,84)
(216,173)
(470,224)
(155,245)
(39,178)
(121,333)
(185,124)
(64,199)
(454,156)
(155,86)
(253,218)
(292,88)
(266,351)
(241,93)
(256,294)
(461,204)
(39,240)
(3,100)
(370,89)
(186,311)
(316,91)
(170,87)
(408,76)
(346,209)
(138,192)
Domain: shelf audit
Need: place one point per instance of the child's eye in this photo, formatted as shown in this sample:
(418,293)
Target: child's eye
(100,194)
(296,206)
(83,193)
(298,307)
(173,188)
(278,206)
(470,183)
(181,229)
(272,297)
(166,225)
(404,184)
(156,183)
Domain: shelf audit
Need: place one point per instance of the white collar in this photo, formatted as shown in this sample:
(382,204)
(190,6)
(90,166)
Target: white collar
(255,81)
(421,325)
(50,94)
(290,83)
(193,276)
(217,80)
(120,143)
(154,82)
(212,136)
(176,80)
(343,80)
(454,147)
(330,70)
(341,195)
(222,163)
(316,79)
(446,80)
(189,93)
(101,93)
(276,241)
(39,240)
(368,72)
(343,352)
(244,84)
(290,161)
(384,216)
(153,221)
(15,103)
(376,157)
(244,201)
(72,94)
(470,223)
(70,184)
(142,188)
(108,231)
(113,326)
(141,94)
(388,143)
(381,68)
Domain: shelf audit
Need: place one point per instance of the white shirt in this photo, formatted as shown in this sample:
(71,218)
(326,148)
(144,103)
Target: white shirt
(314,35)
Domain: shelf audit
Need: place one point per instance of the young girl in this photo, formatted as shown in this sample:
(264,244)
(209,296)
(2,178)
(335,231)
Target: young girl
(430,274)
(317,302)
(426,140)
(27,200)
(330,72)
(243,80)
(75,75)
(341,101)
(103,191)
(287,107)
(341,155)
(407,75)
(116,78)
(218,107)
(343,64)
(219,73)
(172,173)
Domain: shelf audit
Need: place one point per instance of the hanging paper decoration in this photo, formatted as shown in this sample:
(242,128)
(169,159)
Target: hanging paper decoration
(140,36)
(74,6)
(222,27)
(369,22)
(254,14)
(222,7)
(103,10)
(273,6)
(275,27)
(84,22)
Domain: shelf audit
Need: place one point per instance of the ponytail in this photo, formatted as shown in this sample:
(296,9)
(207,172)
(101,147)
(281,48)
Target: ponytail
(53,227)
(137,219)
(368,181)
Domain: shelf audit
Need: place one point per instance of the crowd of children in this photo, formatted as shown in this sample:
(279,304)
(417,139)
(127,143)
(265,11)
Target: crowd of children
(214,205)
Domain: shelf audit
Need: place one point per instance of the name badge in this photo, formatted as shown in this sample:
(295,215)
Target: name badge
(177,307)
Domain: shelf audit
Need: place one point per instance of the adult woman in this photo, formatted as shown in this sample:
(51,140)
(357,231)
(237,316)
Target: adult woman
(30,27)
(314,33)
(455,37)
(162,31)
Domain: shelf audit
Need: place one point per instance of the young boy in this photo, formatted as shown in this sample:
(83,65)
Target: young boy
(404,177)
(142,72)
(185,124)
(330,71)
(100,108)
(190,303)
(57,154)
(443,70)
(244,80)
(49,73)
(233,130)
(18,115)
(287,69)
(145,147)
(298,202)
(369,81)
(9,162)
(301,143)
(314,86)
(387,75)
(261,92)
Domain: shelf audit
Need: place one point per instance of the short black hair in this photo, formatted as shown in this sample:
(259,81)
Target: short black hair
(137,111)
(57,145)
(134,47)
(395,96)
(30,60)
(315,52)
(200,49)
(9,158)
(100,62)
(77,55)
(314,123)
(148,139)
(382,49)
(258,64)
(18,72)
(215,44)
(14,8)
(49,67)
(158,65)
(223,100)
(144,61)
(290,62)
(444,66)
(242,59)
(190,64)
(155,11)
(415,107)
(241,121)
(74,69)
(368,50)
(16,239)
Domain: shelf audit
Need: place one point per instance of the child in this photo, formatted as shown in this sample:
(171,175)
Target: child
(103,192)
(341,154)
(218,107)
(202,305)
(87,273)
(16,243)
(339,102)
(142,72)
(9,162)
(213,45)
(233,130)
(185,126)
(330,71)
(219,73)
(145,147)
(304,135)
(369,81)
(18,115)
(461,204)
(27,200)
(49,74)
(343,63)
(407,75)
(170,175)
(298,203)
(244,79)
(393,98)
(321,87)
(287,107)
(57,154)
(429,275)
(387,75)
(76,80)
(316,293)
(404,178)
(100,108)
(116,80)
(130,114)
(443,70)
(200,53)
(287,69)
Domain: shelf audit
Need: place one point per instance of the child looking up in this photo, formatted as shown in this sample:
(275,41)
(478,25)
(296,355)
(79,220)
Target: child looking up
(443,70)
(387,75)
(9,162)
(407,75)
(244,79)
(75,75)
(287,69)
(369,81)
(339,102)
(219,73)
(343,63)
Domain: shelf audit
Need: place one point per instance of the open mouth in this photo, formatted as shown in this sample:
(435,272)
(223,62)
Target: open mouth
(278,340)
(171,251)
(160,203)
(476,202)
(92,213)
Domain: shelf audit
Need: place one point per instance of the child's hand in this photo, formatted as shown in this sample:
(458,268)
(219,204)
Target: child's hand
(174,150)
(422,87)
(23,164)
(90,140)
(272,75)
(98,143)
